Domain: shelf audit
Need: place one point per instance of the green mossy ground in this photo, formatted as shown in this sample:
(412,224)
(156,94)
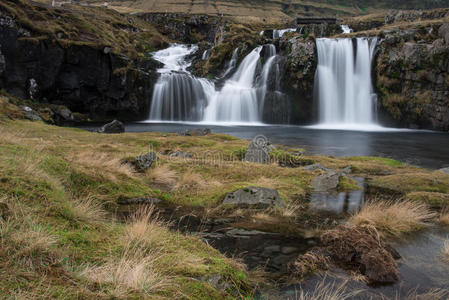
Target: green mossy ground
(47,170)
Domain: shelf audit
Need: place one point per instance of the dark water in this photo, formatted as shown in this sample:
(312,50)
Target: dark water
(422,148)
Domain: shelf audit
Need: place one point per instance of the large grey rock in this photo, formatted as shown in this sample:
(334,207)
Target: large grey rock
(113,127)
(62,113)
(326,182)
(254,196)
(444,170)
(258,151)
(144,162)
(329,180)
(31,114)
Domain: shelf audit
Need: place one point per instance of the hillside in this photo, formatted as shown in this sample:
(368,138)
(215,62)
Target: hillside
(271,9)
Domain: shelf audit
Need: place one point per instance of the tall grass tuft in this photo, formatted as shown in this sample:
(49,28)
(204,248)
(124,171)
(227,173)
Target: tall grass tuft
(394,218)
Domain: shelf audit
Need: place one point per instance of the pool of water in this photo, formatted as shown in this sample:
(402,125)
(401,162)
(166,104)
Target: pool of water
(422,148)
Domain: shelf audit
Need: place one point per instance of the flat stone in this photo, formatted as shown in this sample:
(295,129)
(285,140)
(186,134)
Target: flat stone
(271,249)
(246,233)
(254,196)
(289,250)
(315,167)
(181,154)
(139,201)
(195,132)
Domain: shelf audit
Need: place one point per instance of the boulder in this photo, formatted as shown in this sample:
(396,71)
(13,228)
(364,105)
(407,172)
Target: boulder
(62,113)
(113,127)
(314,167)
(258,151)
(195,132)
(31,114)
(257,196)
(144,162)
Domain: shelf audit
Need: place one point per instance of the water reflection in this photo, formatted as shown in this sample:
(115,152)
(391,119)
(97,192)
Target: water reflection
(344,202)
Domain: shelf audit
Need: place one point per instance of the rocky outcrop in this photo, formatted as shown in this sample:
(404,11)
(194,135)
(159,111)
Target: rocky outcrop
(144,162)
(81,77)
(187,28)
(298,76)
(413,76)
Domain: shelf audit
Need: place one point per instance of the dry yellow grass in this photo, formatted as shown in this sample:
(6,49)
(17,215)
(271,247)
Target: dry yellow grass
(145,227)
(87,210)
(394,218)
(162,175)
(134,270)
(108,165)
(192,181)
(444,217)
(328,291)
(266,182)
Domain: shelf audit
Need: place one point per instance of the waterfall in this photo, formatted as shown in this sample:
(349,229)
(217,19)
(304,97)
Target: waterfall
(232,62)
(343,83)
(346,29)
(278,33)
(180,96)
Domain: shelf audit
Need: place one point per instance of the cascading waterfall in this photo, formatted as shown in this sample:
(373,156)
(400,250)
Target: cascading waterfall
(179,96)
(237,101)
(343,83)
(232,62)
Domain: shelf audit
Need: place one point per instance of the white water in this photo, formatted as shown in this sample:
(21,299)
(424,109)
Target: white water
(343,83)
(232,62)
(346,29)
(179,96)
(278,33)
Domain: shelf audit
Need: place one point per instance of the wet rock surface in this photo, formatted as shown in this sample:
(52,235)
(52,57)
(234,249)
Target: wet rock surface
(112,127)
(257,196)
(140,201)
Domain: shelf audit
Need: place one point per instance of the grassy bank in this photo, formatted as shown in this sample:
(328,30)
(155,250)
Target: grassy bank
(60,187)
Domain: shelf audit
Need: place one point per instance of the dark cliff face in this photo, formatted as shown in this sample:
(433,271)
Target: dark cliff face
(412,76)
(85,79)
(298,77)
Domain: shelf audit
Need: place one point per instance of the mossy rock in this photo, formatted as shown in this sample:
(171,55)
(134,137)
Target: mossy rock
(346,184)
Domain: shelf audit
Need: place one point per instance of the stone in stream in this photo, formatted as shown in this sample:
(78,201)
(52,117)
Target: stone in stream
(328,181)
(113,127)
(257,196)
(144,162)
(258,151)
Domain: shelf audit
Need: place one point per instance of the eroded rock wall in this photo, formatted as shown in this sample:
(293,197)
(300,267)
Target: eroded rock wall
(84,78)
(412,76)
